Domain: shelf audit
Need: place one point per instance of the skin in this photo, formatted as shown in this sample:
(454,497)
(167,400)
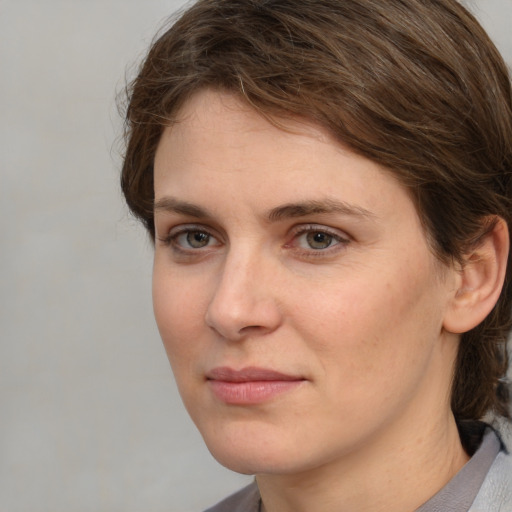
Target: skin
(242,279)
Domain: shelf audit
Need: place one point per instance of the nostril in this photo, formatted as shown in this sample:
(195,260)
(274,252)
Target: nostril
(249,328)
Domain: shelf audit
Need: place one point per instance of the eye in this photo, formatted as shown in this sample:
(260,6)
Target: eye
(319,240)
(193,239)
(188,239)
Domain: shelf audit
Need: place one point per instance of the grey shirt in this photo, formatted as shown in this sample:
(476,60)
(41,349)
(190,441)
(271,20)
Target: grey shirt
(461,492)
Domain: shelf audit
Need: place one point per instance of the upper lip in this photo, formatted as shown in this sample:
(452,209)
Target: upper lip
(248,374)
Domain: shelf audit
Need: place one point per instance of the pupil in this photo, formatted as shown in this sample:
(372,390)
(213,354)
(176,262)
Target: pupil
(319,240)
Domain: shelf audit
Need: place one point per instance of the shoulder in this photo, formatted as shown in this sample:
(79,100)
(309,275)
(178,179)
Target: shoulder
(245,500)
(495,495)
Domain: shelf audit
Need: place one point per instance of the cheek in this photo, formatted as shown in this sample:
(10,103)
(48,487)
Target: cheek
(374,326)
(179,315)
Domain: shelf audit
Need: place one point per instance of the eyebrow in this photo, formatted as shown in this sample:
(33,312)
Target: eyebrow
(325,206)
(172,205)
(286,211)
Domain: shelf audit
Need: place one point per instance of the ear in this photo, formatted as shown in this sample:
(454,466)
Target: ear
(480,280)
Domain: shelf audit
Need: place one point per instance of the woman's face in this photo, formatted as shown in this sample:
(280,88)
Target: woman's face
(300,306)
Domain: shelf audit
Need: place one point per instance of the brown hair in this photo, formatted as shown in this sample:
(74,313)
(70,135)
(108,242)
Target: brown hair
(415,85)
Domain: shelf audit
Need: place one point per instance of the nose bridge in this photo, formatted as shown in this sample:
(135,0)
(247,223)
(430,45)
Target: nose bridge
(243,300)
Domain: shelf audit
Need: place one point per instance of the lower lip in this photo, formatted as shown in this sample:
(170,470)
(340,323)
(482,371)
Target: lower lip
(252,392)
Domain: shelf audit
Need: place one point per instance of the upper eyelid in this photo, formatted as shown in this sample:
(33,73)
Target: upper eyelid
(180,228)
(174,230)
(304,228)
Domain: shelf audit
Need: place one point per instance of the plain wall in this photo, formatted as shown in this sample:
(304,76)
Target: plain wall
(90,417)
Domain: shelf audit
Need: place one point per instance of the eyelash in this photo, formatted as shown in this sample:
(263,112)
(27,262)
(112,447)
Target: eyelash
(337,243)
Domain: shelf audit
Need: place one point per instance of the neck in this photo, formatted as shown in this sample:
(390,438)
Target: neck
(399,471)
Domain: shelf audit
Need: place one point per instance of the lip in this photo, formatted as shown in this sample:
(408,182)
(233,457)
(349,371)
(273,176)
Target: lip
(251,385)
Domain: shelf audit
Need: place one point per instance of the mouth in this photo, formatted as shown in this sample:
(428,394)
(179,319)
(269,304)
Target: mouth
(251,385)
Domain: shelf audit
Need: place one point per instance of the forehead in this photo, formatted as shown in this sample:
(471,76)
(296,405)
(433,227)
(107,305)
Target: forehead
(219,124)
(220,148)
(222,113)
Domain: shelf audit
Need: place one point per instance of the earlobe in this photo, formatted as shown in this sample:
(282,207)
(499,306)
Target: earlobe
(480,280)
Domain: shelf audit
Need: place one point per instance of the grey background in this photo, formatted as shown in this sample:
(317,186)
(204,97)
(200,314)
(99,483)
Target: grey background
(89,416)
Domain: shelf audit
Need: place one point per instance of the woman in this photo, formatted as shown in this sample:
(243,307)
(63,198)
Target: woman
(328,186)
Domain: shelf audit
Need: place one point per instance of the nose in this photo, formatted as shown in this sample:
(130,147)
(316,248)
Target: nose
(244,302)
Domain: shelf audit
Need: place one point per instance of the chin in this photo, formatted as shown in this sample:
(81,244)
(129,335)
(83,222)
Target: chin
(258,450)
(253,462)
